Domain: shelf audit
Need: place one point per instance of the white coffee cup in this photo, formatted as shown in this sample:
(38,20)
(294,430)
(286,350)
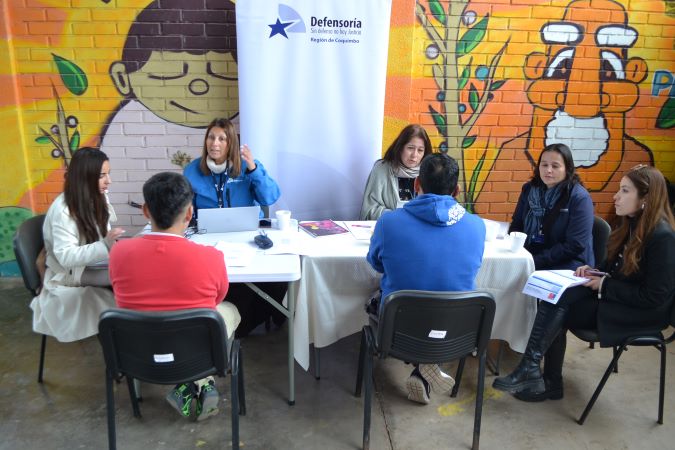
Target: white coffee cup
(283,219)
(517,240)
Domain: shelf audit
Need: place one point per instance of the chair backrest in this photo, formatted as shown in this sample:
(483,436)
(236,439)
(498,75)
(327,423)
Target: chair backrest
(601,231)
(164,347)
(433,327)
(28,242)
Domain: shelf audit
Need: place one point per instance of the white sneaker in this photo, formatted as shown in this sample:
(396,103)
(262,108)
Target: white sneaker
(418,389)
(440,381)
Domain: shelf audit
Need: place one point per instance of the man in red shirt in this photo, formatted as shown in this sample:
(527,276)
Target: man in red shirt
(163,271)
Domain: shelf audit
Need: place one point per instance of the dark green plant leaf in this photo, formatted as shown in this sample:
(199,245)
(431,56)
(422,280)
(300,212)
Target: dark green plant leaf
(468,141)
(437,11)
(43,140)
(472,38)
(75,141)
(497,84)
(474,179)
(473,97)
(666,118)
(439,120)
(464,77)
(72,76)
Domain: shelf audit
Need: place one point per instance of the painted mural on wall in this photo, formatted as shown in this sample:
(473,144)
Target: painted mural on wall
(580,90)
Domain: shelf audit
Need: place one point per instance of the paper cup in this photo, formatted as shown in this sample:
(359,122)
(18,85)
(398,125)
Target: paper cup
(491,230)
(283,219)
(517,240)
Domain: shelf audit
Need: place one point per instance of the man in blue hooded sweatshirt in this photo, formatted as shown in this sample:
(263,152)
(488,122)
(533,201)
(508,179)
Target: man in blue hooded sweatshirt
(430,244)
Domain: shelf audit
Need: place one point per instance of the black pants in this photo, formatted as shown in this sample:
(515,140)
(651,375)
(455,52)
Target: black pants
(581,304)
(253,309)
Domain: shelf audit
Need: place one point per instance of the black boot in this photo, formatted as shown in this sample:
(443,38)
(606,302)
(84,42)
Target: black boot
(553,361)
(527,376)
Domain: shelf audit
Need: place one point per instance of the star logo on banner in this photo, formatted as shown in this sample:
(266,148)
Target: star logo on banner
(279,28)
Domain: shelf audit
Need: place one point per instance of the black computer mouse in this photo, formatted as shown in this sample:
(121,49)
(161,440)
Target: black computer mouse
(263,241)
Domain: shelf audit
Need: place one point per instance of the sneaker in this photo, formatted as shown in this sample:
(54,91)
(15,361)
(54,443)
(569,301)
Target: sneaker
(440,381)
(181,397)
(207,404)
(418,388)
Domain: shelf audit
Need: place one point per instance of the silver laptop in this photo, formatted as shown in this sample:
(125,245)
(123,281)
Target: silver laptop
(225,220)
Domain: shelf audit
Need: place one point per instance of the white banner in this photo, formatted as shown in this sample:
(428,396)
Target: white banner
(311,97)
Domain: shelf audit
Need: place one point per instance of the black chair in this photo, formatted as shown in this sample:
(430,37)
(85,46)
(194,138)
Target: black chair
(169,348)
(657,341)
(28,243)
(601,231)
(402,332)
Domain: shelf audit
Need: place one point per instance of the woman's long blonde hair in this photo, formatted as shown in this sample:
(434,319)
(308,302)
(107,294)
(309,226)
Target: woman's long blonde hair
(233,155)
(653,194)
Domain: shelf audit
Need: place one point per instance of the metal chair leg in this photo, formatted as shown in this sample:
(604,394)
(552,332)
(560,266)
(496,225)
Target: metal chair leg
(601,385)
(368,379)
(362,356)
(662,381)
(479,401)
(317,363)
(234,393)
(242,391)
(458,377)
(110,403)
(133,394)
(42,357)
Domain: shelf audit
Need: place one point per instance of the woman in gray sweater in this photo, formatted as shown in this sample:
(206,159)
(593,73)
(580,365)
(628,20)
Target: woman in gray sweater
(392,178)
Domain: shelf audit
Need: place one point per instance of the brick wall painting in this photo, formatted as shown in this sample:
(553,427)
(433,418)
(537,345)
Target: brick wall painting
(508,78)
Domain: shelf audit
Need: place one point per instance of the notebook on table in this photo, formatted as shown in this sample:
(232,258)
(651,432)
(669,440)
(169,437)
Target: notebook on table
(225,220)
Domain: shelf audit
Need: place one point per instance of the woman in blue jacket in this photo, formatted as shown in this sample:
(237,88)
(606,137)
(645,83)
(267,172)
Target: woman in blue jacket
(226,176)
(556,213)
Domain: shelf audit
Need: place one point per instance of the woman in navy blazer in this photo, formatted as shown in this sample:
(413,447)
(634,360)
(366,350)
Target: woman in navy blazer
(556,213)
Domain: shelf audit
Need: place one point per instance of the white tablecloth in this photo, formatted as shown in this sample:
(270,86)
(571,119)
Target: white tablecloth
(337,280)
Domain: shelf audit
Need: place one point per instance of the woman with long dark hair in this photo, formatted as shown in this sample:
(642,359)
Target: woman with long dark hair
(633,292)
(77,234)
(392,178)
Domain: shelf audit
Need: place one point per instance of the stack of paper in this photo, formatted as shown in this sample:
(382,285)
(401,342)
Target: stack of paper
(361,230)
(549,285)
(236,254)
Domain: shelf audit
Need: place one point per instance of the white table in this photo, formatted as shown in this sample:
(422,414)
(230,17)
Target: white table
(337,280)
(261,269)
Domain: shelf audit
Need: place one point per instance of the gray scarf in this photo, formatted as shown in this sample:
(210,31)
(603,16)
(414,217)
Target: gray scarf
(541,200)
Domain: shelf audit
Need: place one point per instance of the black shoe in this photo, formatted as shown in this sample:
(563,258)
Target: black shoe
(526,377)
(553,391)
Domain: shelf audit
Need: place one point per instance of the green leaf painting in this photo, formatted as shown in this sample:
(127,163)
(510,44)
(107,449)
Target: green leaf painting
(439,120)
(468,141)
(72,76)
(464,77)
(437,11)
(474,179)
(666,118)
(42,140)
(75,141)
(497,84)
(472,38)
(474,98)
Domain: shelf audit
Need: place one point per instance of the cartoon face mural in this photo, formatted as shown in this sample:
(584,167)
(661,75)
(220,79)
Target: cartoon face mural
(188,73)
(580,90)
(584,84)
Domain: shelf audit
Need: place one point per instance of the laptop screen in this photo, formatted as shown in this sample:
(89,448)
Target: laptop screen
(225,220)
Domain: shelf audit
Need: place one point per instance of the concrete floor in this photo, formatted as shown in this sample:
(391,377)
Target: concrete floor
(68,411)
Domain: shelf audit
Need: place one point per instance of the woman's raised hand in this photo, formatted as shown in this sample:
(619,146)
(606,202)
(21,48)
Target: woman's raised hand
(247,156)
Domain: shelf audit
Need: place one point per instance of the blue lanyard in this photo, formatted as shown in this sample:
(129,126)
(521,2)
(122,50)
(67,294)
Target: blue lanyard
(219,186)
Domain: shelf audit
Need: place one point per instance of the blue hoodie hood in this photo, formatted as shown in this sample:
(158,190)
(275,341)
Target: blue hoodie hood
(438,210)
